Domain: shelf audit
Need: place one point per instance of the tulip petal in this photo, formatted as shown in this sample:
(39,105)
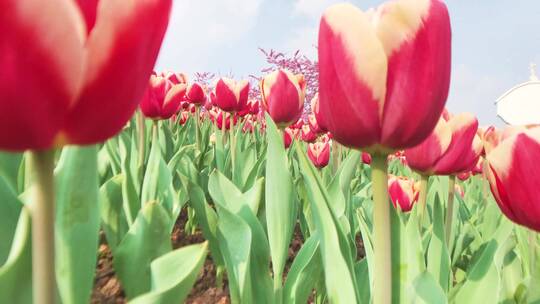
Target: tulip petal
(514,185)
(282,97)
(89,11)
(424,156)
(41,57)
(352,76)
(463,152)
(416,36)
(121,52)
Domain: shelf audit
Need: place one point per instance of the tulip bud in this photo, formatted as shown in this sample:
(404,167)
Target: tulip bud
(231,96)
(283,96)
(162,99)
(175,78)
(316,110)
(288,136)
(196,94)
(366,158)
(319,154)
(513,178)
(384,75)
(307,134)
(453,147)
(403,192)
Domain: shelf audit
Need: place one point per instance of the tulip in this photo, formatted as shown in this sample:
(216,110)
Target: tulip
(463,176)
(283,96)
(403,192)
(384,76)
(366,158)
(288,135)
(231,96)
(175,78)
(315,109)
(75,72)
(512,177)
(252,107)
(196,94)
(217,118)
(453,147)
(162,98)
(319,154)
(181,117)
(314,125)
(307,134)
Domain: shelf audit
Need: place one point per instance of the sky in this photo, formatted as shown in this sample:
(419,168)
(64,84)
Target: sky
(493,42)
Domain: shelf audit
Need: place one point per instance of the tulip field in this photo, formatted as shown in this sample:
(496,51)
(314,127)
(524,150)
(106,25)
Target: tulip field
(339,180)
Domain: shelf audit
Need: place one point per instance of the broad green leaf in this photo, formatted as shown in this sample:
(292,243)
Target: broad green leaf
(224,192)
(10,208)
(305,271)
(147,239)
(438,258)
(9,168)
(77,223)
(362,277)
(427,290)
(173,275)
(16,273)
(280,200)
(113,218)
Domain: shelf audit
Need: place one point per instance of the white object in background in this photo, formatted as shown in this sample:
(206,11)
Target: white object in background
(521,104)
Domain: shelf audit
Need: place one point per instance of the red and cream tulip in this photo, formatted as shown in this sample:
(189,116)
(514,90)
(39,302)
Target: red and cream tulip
(403,192)
(289,134)
(175,78)
(319,153)
(315,109)
(514,182)
(73,72)
(384,74)
(453,147)
(162,98)
(231,95)
(196,94)
(307,134)
(283,95)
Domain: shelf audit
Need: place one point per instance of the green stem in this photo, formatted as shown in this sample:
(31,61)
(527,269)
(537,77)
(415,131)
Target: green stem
(197,135)
(223,121)
(232,142)
(450,209)
(43,278)
(220,270)
(141,131)
(532,250)
(155,132)
(382,242)
(422,197)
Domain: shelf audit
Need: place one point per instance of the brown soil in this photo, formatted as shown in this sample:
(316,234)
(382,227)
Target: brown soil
(107,288)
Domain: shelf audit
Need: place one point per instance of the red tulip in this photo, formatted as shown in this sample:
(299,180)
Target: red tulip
(464,175)
(319,153)
(196,94)
(384,75)
(514,180)
(184,116)
(252,107)
(307,134)
(162,99)
(283,96)
(403,192)
(453,147)
(217,118)
(366,158)
(231,96)
(248,126)
(175,78)
(74,72)
(314,125)
(288,135)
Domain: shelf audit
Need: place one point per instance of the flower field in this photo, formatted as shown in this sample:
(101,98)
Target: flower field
(341,180)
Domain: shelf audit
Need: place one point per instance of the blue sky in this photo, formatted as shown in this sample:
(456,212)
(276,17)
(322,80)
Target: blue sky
(493,41)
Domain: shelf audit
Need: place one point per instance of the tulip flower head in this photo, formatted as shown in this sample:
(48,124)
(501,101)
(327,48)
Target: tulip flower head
(162,98)
(319,153)
(73,72)
(175,78)
(196,94)
(453,147)
(230,95)
(307,134)
(283,95)
(403,192)
(315,109)
(514,185)
(366,158)
(384,74)
(288,135)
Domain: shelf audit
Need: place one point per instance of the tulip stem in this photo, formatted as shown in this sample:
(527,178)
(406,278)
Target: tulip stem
(232,142)
(382,242)
(422,196)
(141,131)
(223,121)
(197,131)
(450,209)
(532,250)
(43,278)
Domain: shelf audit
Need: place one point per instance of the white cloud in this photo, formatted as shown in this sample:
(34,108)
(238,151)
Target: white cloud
(199,28)
(312,8)
(303,39)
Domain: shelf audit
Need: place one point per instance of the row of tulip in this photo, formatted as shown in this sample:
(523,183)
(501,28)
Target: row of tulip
(240,167)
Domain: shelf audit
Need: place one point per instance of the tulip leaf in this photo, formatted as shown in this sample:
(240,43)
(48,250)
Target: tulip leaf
(77,223)
(438,258)
(10,208)
(9,168)
(173,275)
(427,290)
(113,217)
(16,273)
(280,200)
(148,238)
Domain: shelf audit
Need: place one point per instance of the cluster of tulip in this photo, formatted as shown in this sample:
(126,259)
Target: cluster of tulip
(384,79)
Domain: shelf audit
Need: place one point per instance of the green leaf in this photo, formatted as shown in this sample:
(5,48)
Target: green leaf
(9,168)
(362,275)
(306,270)
(173,275)
(280,200)
(77,223)
(335,252)
(438,258)
(147,239)
(10,208)
(224,192)
(113,218)
(427,290)
(16,273)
